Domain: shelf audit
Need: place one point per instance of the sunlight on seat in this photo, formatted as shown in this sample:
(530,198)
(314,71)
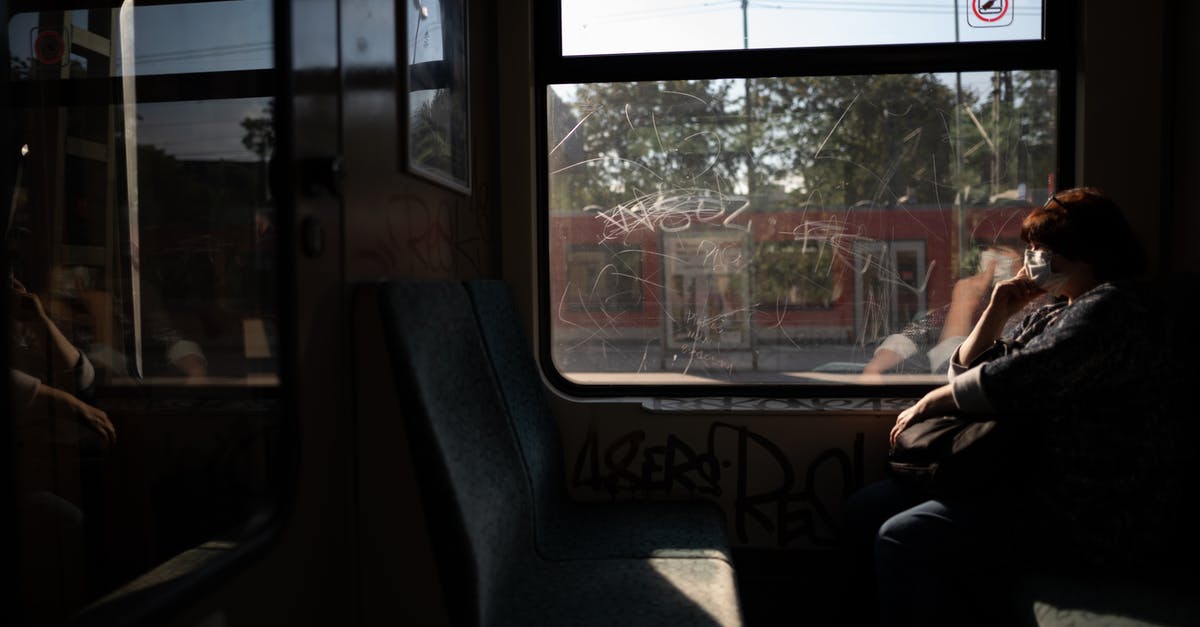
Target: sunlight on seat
(696,580)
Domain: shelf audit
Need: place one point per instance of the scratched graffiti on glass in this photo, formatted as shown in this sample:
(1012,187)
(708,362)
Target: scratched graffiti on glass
(795,229)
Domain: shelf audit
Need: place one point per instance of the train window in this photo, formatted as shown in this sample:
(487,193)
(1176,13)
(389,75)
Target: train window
(837,223)
(635,26)
(140,241)
(161,48)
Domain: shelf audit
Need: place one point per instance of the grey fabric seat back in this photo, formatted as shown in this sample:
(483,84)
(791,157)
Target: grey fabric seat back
(521,388)
(612,530)
(471,477)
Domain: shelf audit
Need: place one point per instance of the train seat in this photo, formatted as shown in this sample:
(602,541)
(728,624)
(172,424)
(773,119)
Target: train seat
(1054,600)
(623,529)
(479,502)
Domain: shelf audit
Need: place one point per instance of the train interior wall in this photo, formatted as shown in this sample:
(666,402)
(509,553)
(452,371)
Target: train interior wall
(353,548)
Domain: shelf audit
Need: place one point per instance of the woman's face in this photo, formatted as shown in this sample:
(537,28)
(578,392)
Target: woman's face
(1057,274)
(1039,266)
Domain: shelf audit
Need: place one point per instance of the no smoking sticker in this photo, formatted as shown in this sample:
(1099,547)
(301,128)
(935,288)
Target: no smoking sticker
(49,47)
(989,13)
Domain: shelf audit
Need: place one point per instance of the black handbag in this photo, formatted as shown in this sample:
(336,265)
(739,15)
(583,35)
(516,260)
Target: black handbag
(949,456)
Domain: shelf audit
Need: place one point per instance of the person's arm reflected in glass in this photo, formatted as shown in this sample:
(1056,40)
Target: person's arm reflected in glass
(30,392)
(938,333)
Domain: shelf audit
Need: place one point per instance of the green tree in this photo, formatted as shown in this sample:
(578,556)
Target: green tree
(873,139)
(831,140)
(438,133)
(260,140)
(632,140)
(1037,106)
(1010,137)
(260,132)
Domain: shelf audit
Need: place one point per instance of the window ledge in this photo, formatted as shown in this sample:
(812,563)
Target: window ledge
(758,405)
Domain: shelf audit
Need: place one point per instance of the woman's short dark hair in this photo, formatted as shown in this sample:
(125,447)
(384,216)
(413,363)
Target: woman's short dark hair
(1085,224)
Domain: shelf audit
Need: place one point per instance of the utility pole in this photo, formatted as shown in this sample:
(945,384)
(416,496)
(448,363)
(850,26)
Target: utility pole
(745,24)
(996,86)
(749,178)
(748,104)
(958,163)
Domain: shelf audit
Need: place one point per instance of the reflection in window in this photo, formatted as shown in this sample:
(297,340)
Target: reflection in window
(144,329)
(795,223)
(438,132)
(214,37)
(425,41)
(206,235)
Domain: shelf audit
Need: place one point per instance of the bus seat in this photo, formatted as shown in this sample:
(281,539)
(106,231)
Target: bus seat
(478,500)
(622,529)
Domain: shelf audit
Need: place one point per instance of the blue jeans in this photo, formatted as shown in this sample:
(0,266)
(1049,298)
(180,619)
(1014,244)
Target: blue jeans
(935,562)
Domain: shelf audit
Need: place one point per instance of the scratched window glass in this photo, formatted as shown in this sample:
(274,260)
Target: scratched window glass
(614,272)
(632,26)
(792,229)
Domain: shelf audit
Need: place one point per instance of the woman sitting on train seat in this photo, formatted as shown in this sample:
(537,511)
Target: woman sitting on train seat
(1094,484)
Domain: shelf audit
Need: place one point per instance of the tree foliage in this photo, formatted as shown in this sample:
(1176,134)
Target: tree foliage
(633,139)
(260,132)
(882,140)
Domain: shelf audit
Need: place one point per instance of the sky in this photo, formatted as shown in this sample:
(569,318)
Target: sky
(617,26)
(632,26)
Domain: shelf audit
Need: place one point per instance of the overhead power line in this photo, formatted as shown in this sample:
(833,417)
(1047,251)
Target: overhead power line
(848,6)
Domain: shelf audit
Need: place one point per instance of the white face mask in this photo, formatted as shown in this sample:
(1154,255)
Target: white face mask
(1037,264)
(1003,270)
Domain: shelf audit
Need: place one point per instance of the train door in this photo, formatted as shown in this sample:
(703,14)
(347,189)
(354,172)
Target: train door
(171,168)
(889,287)
(709,287)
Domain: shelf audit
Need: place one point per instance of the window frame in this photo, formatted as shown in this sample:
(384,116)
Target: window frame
(1057,50)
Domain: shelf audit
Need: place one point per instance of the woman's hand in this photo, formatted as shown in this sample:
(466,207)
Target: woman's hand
(938,402)
(968,291)
(93,417)
(965,301)
(29,299)
(1011,295)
